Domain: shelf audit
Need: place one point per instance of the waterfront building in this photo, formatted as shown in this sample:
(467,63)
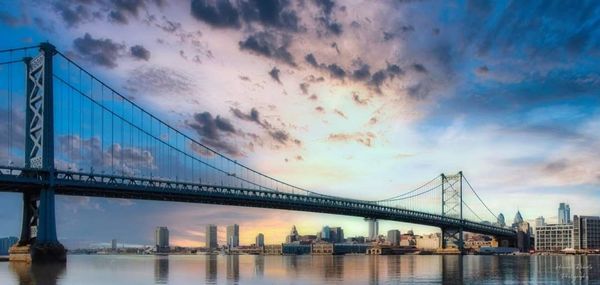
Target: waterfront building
(540,222)
(161,238)
(233,235)
(273,249)
(293,236)
(260,240)
(211,237)
(430,241)
(322,248)
(554,237)
(373,229)
(359,239)
(393,237)
(6,244)
(114,245)
(517,220)
(296,249)
(586,232)
(564,213)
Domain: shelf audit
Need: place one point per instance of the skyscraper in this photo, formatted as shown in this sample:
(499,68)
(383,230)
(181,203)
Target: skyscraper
(114,245)
(393,237)
(373,229)
(326,233)
(540,222)
(211,237)
(564,213)
(501,221)
(233,235)
(337,235)
(161,237)
(260,240)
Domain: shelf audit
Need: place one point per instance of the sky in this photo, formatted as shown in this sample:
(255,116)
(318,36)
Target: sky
(360,99)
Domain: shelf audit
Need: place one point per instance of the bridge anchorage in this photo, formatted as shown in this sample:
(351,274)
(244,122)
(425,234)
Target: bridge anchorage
(108,146)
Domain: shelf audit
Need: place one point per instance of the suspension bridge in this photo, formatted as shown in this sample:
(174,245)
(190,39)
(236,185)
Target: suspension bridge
(66,132)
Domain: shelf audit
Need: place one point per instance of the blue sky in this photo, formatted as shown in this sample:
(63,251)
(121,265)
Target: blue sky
(358,95)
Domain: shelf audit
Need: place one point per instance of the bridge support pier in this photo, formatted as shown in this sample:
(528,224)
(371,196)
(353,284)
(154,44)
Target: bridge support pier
(452,241)
(38,241)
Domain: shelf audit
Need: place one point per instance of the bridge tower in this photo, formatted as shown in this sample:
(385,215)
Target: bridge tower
(38,241)
(452,207)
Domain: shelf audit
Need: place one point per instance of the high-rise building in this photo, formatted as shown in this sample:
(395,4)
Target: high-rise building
(233,235)
(501,222)
(293,236)
(553,237)
(393,237)
(211,237)
(586,232)
(518,219)
(6,243)
(326,233)
(161,238)
(337,235)
(564,213)
(260,240)
(540,222)
(114,245)
(373,228)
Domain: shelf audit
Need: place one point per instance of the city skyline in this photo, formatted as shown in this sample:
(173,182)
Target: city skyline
(431,109)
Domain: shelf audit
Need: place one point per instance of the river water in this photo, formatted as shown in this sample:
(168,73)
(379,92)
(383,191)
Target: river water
(358,269)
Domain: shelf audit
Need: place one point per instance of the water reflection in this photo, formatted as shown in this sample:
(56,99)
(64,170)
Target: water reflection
(161,270)
(37,274)
(259,266)
(211,268)
(233,268)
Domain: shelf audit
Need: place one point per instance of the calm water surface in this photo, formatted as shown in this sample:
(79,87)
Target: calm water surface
(247,269)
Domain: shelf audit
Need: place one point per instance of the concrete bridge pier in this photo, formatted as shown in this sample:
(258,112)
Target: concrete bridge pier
(38,242)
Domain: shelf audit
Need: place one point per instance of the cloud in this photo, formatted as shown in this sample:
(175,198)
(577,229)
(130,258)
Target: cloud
(365,139)
(340,113)
(73,14)
(336,71)
(140,52)
(361,73)
(304,87)
(310,58)
(215,132)
(278,135)
(326,18)
(274,73)
(100,51)
(158,80)
(277,14)
(216,13)
(269,45)
(419,68)
(356,98)
(122,10)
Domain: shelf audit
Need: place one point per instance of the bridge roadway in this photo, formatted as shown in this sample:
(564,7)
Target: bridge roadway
(101,185)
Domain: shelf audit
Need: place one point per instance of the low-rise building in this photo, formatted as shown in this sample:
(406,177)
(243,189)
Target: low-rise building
(273,249)
(554,237)
(322,248)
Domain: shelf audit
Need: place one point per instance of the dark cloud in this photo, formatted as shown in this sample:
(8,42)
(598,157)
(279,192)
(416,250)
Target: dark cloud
(378,78)
(219,13)
(215,132)
(122,10)
(140,52)
(269,45)
(104,52)
(272,13)
(280,136)
(274,73)
(10,20)
(326,18)
(310,58)
(556,166)
(336,71)
(304,87)
(419,68)
(313,97)
(361,73)
(230,14)
(483,70)
(72,13)
(418,92)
